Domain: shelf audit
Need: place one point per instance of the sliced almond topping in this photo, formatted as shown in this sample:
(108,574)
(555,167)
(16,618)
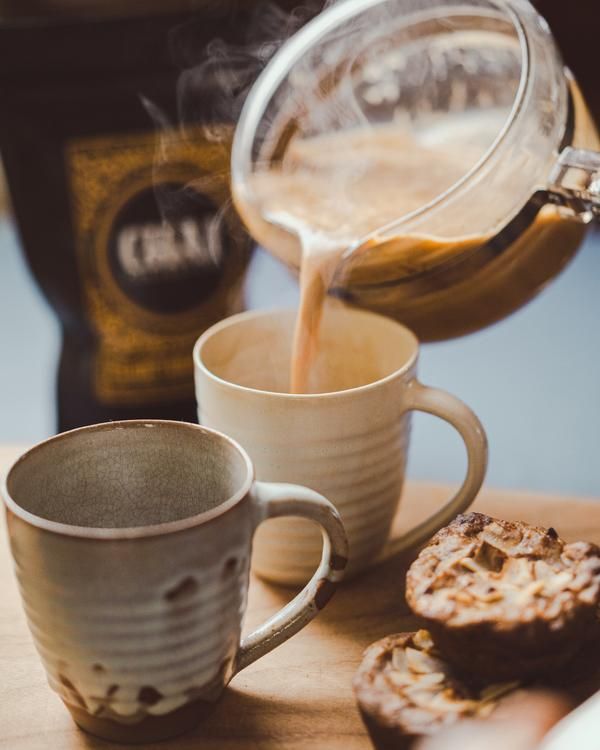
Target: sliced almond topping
(517,572)
(399,660)
(496,529)
(558,582)
(451,561)
(566,560)
(470,564)
(532,589)
(423,640)
(579,582)
(425,699)
(463,598)
(542,569)
(489,597)
(589,595)
(401,679)
(428,680)
(422,663)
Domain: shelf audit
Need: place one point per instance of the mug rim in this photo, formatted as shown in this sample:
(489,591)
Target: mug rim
(129,532)
(347,393)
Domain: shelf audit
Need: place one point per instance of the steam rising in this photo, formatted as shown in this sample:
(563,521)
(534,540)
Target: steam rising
(211,88)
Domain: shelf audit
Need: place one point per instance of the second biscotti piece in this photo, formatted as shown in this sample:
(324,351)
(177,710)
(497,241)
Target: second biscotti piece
(505,600)
(406,691)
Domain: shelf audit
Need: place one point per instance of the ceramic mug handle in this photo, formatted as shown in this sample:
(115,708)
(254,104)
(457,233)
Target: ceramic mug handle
(451,409)
(272,501)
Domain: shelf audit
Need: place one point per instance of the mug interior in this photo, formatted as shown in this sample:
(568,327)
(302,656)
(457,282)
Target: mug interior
(129,474)
(356,348)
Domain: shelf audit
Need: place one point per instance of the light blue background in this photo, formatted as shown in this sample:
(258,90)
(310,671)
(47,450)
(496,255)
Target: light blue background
(532,379)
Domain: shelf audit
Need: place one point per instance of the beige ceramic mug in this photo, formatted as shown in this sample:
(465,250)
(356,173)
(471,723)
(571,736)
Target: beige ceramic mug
(348,438)
(132,545)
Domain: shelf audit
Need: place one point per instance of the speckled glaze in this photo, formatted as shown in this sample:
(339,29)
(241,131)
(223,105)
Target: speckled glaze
(132,545)
(348,438)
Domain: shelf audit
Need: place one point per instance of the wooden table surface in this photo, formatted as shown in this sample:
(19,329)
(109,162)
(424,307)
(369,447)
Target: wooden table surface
(299,696)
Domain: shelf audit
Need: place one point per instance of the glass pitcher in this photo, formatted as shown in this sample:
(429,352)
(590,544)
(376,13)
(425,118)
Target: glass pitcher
(484,240)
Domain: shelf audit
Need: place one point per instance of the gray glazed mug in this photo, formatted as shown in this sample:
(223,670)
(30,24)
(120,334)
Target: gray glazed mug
(132,544)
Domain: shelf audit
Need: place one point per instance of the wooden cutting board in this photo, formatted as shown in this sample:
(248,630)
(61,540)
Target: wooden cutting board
(297,697)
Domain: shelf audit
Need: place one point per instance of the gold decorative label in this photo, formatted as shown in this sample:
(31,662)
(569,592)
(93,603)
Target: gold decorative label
(160,256)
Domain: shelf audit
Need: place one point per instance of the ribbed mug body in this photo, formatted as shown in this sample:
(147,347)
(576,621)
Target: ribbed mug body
(132,630)
(350,446)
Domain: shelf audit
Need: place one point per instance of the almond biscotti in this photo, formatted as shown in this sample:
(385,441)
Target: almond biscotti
(504,600)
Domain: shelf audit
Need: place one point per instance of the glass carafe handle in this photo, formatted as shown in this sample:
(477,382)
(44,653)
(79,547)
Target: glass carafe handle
(575,182)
